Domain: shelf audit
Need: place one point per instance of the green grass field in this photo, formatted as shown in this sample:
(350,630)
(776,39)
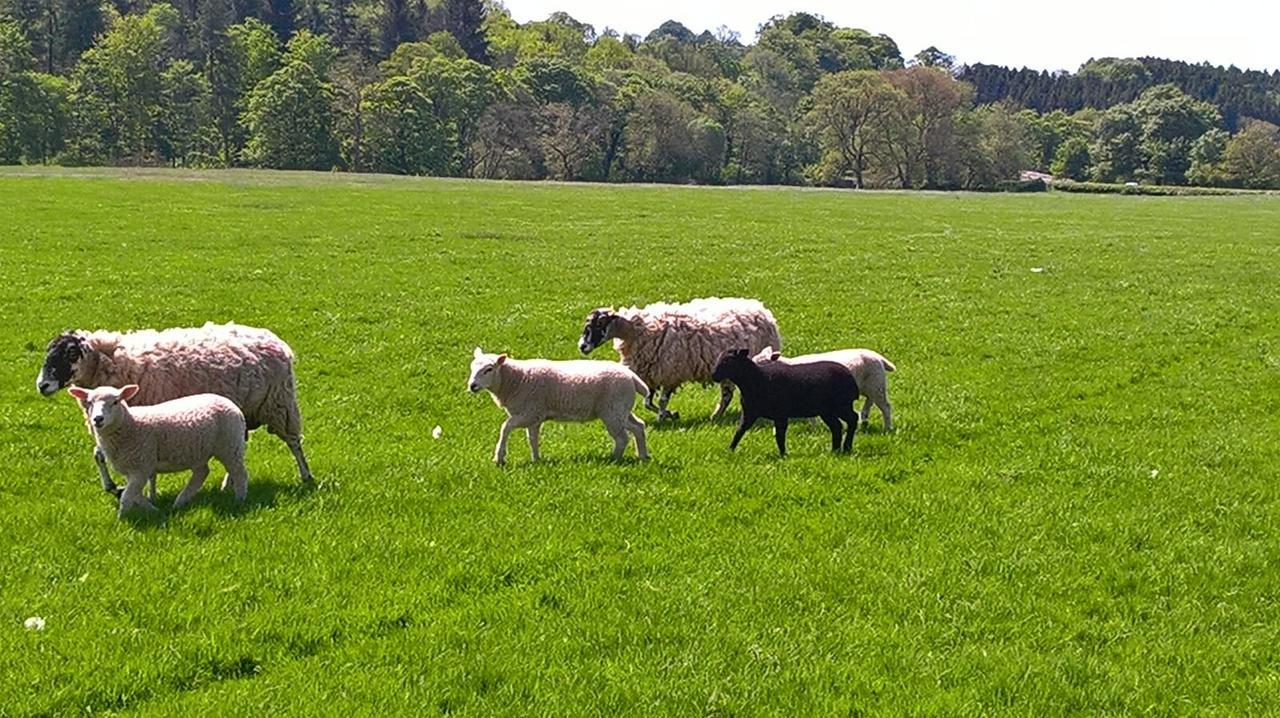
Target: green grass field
(1078,514)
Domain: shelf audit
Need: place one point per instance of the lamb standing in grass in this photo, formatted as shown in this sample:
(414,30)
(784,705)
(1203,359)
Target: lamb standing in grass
(164,438)
(868,369)
(250,366)
(667,345)
(779,391)
(536,390)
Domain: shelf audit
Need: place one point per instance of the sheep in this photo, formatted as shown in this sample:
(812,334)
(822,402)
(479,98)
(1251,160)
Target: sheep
(670,344)
(780,391)
(535,390)
(165,438)
(868,369)
(250,366)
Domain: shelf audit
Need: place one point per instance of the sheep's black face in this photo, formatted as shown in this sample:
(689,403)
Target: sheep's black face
(729,366)
(596,331)
(60,361)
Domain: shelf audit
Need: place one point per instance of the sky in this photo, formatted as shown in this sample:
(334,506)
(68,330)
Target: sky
(1015,33)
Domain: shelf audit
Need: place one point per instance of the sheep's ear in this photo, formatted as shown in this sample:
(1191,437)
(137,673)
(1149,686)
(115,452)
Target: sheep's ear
(78,392)
(740,352)
(502,358)
(477,353)
(128,391)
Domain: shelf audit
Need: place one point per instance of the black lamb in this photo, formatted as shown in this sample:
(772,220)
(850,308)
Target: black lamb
(780,392)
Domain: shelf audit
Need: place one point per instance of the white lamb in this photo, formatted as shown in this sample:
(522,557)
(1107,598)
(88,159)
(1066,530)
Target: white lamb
(868,369)
(532,391)
(250,366)
(177,435)
(670,344)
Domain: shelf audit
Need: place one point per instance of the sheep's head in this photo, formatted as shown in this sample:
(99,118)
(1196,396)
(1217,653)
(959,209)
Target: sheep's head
(105,405)
(731,365)
(484,370)
(601,326)
(767,355)
(61,360)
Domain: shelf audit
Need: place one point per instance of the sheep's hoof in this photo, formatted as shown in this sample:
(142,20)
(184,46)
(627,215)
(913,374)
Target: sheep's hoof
(115,491)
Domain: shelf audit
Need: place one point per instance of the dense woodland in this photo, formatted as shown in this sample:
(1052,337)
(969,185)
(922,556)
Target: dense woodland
(458,88)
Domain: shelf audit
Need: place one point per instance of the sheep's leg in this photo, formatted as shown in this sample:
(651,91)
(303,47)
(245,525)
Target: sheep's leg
(237,475)
(534,431)
(865,414)
(833,423)
(109,486)
(637,428)
(152,483)
(726,396)
(850,418)
(885,411)
(662,405)
(295,445)
(500,453)
(618,430)
(648,401)
(744,424)
(132,495)
(198,476)
(780,434)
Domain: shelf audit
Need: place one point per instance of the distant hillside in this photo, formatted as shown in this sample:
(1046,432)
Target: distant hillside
(1111,81)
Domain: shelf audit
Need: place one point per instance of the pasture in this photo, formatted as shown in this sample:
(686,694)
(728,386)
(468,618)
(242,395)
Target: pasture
(1077,514)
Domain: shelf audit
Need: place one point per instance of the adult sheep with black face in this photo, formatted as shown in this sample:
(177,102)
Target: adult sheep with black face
(667,345)
(250,366)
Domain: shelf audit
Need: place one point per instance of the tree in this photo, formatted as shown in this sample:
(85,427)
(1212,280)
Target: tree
(184,112)
(846,108)
(1171,122)
(933,57)
(402,133)
(1116,147)
(464,19)
(460,92)
(400,21)
(917,137)
(1253,156)
(290,119)
(571,137)
(1072,159)
(118,87)
(241,57)
(1208,159)
(505,143)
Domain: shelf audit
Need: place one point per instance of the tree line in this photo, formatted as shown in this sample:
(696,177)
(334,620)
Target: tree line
(459,88)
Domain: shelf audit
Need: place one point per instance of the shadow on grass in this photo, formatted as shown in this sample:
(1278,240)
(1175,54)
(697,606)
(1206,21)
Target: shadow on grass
(262,494)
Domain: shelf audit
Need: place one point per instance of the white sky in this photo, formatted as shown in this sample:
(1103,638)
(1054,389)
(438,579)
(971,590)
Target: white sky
(1042,34)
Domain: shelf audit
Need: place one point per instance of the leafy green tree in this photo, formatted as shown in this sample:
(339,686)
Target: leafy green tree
(1071,160)
(667,141)
(15,60)
(933,57)
(1208,159)
(313,50)
(184,112)
(571,138)
(290,118)
(465,20)
(1171,122)
(118,87)
(241,57)
(845,110)
(1253,156)
(460,92)
(1116,149)
(402,133)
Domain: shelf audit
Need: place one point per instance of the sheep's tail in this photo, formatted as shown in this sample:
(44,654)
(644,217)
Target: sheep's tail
(888,365)
(641,388)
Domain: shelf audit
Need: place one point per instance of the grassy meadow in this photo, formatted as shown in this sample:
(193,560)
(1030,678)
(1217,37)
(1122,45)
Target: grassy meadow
(1078,513)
